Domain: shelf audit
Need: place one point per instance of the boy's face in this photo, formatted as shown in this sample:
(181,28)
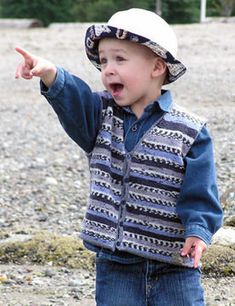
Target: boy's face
(127,70)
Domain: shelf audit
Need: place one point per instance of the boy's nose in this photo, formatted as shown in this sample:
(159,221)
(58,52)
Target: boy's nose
(109,69)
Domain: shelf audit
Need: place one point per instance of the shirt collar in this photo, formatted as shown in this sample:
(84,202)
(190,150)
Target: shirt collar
(164,102)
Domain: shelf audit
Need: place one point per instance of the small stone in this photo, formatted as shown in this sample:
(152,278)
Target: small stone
(38,282)
(19,281)
(73,207)
(77,184)
(217,298)
(65,270)
(74,283)
(76,290)
(28,278)
(51,181)
(40,160)
(3,278)
(42,218)
(49,273)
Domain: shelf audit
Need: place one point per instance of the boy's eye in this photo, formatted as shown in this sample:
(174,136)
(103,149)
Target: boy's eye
(120,58)
(103,61)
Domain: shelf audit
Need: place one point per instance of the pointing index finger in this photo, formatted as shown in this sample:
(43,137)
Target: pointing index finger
(24,53)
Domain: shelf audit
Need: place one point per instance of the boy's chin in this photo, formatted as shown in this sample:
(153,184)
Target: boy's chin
(121,103)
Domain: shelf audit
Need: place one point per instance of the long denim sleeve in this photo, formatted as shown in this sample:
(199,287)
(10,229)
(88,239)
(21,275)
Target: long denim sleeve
(77,108)
(198,206)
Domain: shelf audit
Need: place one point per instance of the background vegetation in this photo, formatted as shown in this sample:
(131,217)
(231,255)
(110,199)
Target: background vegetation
(174,11)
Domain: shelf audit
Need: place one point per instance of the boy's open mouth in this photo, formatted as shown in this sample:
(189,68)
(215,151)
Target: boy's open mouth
(116,88)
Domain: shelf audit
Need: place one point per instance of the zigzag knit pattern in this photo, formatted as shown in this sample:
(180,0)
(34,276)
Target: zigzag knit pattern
(133,195)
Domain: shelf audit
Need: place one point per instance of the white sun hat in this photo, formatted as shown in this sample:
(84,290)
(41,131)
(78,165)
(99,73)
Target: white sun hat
(140,26)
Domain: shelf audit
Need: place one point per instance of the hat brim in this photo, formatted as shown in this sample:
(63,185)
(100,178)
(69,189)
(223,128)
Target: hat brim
(97,32)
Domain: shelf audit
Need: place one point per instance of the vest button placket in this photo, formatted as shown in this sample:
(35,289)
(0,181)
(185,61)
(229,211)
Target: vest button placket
(122,209)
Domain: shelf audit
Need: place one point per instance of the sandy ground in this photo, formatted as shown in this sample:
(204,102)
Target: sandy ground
(33,146)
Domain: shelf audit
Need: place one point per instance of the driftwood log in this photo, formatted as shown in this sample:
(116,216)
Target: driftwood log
(20,23)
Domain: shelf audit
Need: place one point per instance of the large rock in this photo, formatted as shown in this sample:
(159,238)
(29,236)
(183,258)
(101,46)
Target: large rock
(225,236)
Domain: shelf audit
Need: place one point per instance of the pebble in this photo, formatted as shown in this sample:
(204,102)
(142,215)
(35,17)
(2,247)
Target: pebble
(42,218)
(3,278)
(49,273)
(51,181)
(74,283)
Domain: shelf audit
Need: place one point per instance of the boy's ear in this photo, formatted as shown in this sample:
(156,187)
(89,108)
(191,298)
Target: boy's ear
(159,67)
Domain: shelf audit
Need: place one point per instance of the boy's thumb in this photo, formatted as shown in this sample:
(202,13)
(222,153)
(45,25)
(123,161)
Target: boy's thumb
(186,248)
(35,71)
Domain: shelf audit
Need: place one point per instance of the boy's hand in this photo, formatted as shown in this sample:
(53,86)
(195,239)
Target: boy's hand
(194,247)
(35,66)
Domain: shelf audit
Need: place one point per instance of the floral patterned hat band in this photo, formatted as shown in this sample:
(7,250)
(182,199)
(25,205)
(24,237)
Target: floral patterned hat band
(152,32)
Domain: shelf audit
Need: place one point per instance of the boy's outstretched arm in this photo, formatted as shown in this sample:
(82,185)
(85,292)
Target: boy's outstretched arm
(35,66)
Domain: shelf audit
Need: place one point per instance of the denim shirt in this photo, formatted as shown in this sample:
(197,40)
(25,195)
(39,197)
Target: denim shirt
(79,111)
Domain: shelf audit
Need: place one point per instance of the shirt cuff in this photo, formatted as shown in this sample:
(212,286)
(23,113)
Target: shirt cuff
(198,231)
(56,87)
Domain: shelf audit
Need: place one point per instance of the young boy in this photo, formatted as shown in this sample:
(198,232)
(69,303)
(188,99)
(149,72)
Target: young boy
(153,204)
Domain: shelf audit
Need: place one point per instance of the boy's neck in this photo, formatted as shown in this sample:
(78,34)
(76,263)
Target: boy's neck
(138,109)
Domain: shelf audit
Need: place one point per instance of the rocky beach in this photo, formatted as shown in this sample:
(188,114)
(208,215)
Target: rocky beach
(44,175)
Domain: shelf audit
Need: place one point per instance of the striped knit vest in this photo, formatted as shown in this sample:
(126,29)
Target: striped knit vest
(133,195)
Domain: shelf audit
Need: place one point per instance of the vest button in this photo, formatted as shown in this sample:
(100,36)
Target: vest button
(126,179)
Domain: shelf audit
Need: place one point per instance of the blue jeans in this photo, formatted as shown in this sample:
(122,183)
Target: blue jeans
(146,283)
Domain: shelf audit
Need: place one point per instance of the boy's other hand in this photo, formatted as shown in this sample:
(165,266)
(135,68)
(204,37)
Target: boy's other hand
(35,66)
(194,247)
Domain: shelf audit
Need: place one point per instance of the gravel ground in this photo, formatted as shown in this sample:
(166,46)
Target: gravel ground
(44,176)
(45,285)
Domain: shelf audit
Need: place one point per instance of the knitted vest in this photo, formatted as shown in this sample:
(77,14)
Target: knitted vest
(133,195)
